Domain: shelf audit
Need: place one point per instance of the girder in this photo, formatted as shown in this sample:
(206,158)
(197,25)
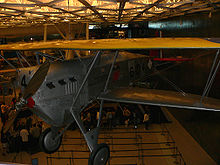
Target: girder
(31,12)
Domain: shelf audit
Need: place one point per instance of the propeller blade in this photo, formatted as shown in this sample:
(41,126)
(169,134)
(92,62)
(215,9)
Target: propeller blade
(33,85)
(10,122)
(36,81)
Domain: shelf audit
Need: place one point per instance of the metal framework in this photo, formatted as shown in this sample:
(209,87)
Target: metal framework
(30,12)
(212,75)
(91,136)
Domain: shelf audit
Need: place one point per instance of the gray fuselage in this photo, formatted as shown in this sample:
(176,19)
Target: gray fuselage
(54,98)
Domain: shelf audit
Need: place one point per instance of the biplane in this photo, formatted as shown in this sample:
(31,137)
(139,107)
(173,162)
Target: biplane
(61,90)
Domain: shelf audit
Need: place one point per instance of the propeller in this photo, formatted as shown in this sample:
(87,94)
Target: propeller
(32,87)
(36,81)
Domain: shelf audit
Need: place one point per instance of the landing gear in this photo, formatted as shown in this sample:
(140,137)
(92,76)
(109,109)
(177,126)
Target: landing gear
(99,155)
(48,141)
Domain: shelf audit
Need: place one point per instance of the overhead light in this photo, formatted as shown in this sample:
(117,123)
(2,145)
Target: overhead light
(66,20)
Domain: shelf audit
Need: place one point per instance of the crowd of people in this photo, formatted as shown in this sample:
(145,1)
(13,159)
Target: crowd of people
(122,115)
(24,133)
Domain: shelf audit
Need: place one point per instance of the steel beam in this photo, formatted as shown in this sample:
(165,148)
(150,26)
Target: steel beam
(84,2)
(145,10)
(38,3)
(121,8)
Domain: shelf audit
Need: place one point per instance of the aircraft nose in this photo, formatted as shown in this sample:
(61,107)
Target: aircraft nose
(36,81)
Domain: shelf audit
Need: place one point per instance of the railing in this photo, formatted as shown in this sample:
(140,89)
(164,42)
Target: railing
(167,145)
(168,136)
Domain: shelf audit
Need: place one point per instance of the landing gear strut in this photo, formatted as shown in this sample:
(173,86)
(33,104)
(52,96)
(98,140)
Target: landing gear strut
(48,141)
(100,153)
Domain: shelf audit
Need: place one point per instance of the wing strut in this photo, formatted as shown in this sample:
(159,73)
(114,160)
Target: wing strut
(105,88)
(100,153)
(19,58)
(211,77)
(173,85)
(170,82)
(8,62)
(85,78)
(48,56)
(19,53)
(91,136)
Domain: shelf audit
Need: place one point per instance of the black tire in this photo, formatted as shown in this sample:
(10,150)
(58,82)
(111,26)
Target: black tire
(99,155)
(44,139)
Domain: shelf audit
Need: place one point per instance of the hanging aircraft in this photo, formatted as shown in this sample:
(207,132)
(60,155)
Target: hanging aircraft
(58,92)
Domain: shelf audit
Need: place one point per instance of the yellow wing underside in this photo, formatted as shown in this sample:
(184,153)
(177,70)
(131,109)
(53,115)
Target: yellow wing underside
(117,44)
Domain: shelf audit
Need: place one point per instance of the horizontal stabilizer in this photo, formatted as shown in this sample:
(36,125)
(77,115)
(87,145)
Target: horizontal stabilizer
(161,98)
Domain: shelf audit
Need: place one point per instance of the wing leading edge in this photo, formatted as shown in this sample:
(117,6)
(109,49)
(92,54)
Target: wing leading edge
(161,98)
(118,44)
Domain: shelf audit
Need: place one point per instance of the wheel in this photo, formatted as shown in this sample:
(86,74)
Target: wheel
(99,155)
(47,142)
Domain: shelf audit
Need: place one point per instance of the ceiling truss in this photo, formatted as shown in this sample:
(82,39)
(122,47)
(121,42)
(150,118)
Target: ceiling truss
(30,12)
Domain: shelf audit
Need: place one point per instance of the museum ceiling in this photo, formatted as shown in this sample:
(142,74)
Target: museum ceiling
(30,12)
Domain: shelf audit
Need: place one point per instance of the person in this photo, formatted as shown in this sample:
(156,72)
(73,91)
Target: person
(13,103)
(109,119)
(42,126)
(11,114)
(1,108)
(127,116)
(29,123)
(4,115)
(24,137)
(39,125)
(12,145)
(135,120)
(146,120)
(35,131)
(18,125)
(97,115)
(18,143)
(126,112)
(4,141)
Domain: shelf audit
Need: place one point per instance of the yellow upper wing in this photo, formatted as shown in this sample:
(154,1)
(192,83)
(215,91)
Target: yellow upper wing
(117,44)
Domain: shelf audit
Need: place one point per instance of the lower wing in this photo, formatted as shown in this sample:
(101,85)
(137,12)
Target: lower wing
(161,98)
